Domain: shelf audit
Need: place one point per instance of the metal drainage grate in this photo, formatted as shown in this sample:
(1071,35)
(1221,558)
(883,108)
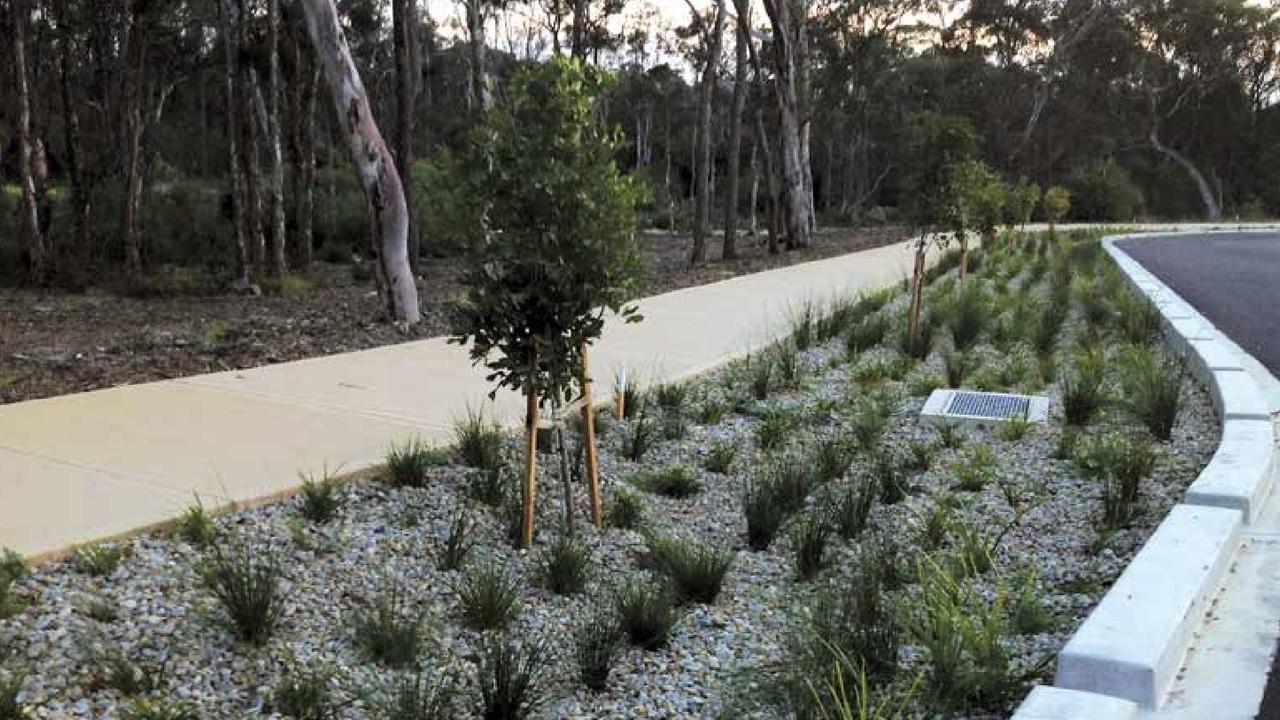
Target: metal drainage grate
(995,406)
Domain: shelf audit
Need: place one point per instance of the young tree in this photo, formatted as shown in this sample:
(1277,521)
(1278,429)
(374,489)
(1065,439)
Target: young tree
(558,248)
(1021,202)
(369,152)
(975,199)
(1057,202)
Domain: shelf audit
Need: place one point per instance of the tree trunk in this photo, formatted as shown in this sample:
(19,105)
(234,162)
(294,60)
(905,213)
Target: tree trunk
(479,97)
(729,250)
(132,126)
(702,159)
(405,27)
(755,186)
(566,484)
(589,442)
(249,124)
(34,247)
(79,199)
(369,152)
(231,84)
(917,289)
(276,263)
(795,200)
(529,494)
(302,94)
(1212,208)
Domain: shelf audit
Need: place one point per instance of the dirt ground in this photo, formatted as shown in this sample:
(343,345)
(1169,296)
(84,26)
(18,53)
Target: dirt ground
(55,343)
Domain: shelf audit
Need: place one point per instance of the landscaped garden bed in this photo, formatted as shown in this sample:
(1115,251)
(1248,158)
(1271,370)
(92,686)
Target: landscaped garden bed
(778,533)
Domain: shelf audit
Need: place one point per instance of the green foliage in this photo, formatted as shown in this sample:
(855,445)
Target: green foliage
(804,325)
(458,543)
(489,596)
(696,570)
(761,378)
(675,427)
(417,697)
(510,677)
(1120,462)
(10,687)
(246,581)
(13,570)
(1103,191)
(1056,203)
(1021,202)
(851,507)
(563,566)
(788,367)
(98,560)
(671,396)
(675,481)
(597,644)
(967,315)
(319,500)
(559,224)
(830,458)
(445,210)
(868,421)
(1138,318)
(478,439)
(640,437)
(409,463)
(720,456)
(195,526)
(1013,429)
(711,411)
(150,709)
(775,427)
(976,196)
(933,143)
(389,630)
(809,539)
(977,469)
(917,455)
(866,334)
(888,475)
(1082,391)
(489,487)
(919,346)
(1028,613)
(625,510)
(764,515)
(1152,385)
(646,611)
(958,365)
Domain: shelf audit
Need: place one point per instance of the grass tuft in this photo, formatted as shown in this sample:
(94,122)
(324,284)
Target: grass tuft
(1152,385)
(247,583)
(695,570)
(597,644)
(389,631)
(625,510)
(674,481)
(562,567)
(319,500)
(489,596)
(647,612)
(510,678)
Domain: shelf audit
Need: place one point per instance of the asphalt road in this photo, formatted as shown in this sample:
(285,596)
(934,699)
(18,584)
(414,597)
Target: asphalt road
(1233,279)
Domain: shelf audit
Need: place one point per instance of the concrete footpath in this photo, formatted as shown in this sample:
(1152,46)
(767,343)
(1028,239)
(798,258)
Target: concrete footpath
(94,465)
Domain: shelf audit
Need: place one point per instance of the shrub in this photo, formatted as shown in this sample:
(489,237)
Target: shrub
(674,481)
(319,500)
(563,566)
(489,596)
(98,560)
(247,584)
(479,440)
(671,396)
(389,631)
(776,425)
(695,570)
(646,611)
(409,463)
(625,510)
(195,526)
(457,545)
(976,470)
(597,643)
(720,456)
(924,382)
(810,537)
(1082,393)
(1103,191)
(637,442)
(851,508)
(1152,389)
(509,676)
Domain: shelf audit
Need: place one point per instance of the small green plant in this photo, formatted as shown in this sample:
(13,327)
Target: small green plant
(671,396)
(305,694)
(952,435)
(597,644)
(775,427)
(923,381)
(918,455)
(851,508)
(868,422)
(633,400)
(804,325)
(1028,613)
(319,500)
(510,677)
(935,524)
(478,440)
(98,560)
(625,510)
(675,427)
(1115,455)
(720,456)
(958,365)
(865,335)
(711,411)
(1152,389)
(973,553)
(195,526)
(1068,441)
(563,566)
(967,315)
(389,630)
(830,458)
(696,571)
(489,596)
(976,469)
(639,439)
(761,376)
(488,486)
(124,674)
(646,611)
(458,543)
(788,366)
(101,609)
(1082,393)
(409,462)
(888,475)
(247,583)
(764,515)
(809,538)
(11,708)
(674,481)
(1013,429)
(917,347)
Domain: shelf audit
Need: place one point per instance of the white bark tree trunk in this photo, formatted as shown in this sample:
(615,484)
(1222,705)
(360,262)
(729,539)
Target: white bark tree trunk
(37,260)
(795,200)
(373,161)
(702,159)
(1212,208)
(276,264)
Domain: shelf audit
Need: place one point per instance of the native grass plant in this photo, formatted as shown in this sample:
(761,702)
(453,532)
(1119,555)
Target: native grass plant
(625,510)
(639,438)
(775,427)
(720,456)
(933,526)
(489,596)
(319,500)
(246,581)
(453,552)
(1137,319)
(889,476)
(851,505)
(478,440)
(918,346)
(760,377)
(1120,462)
(646,610)
(1028,613)
(868,420)
(830,457)
(1082,388)
(922,381)
(634,398)
(489,486)
(389,630)
(152,709)
(562,566)
(696,571)
(873,368)
(866,334)
(976,469)
(100,560)
(408,463)
(509,675)
(967,315)
(416,696)
(711,411)
(1152,389)
(952,435)
(764,515)
(674,426)
(1013,429)
(670,396)
(959,365)
(917,455)
(788,366)
(675,480)
(597,643)
(196,526)
(810,537)
(804,325)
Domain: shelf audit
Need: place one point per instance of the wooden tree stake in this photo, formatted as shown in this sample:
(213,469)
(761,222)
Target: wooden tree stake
(530,460)
(589,437)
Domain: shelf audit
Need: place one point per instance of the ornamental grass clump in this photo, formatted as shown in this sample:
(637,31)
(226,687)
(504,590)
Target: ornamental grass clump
(509,675)
(775,427)
(319,499)
(696,571)
(676,480)
(489,596)
(1152,389)
(865,334)
(976,469)
(624,510)
(851,507)
(597,642)
(958,365)
(1082,391)
(478,440)
(389,630)
(671,396)
(639,439)
(458,543)
(563,566)
(720,456)
(646,611)
(809,539)
(247,583)
(966,316)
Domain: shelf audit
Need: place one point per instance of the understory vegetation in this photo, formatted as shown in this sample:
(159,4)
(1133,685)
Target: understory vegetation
(803,547)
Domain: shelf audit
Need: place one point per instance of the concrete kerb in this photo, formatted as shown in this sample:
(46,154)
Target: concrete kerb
(1133,644)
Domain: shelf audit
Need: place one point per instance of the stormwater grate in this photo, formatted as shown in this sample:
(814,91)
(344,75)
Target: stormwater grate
(969,406)
(996,406)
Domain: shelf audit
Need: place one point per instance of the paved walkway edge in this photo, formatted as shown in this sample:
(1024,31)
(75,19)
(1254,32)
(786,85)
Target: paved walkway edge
(1134,642)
